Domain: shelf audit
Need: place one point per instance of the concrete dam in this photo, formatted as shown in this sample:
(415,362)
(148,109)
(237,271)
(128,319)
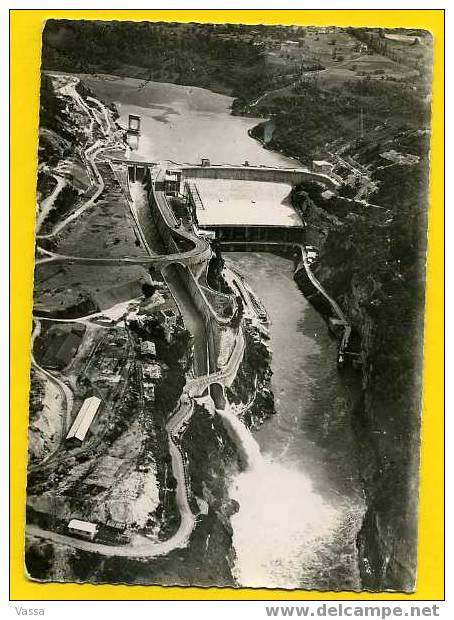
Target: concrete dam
(234,203)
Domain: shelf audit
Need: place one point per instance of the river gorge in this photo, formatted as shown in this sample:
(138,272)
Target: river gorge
(300,502)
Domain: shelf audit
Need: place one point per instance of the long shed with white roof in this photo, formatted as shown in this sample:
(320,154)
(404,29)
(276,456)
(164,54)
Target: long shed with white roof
(85,529)
(84,418)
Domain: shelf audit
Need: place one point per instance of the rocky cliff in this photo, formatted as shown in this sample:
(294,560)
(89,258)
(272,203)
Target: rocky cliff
(374,266)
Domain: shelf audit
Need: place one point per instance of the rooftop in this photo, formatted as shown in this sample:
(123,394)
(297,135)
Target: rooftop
(147,347)
(321,162)
(229,202)
(151,371)
(83,526)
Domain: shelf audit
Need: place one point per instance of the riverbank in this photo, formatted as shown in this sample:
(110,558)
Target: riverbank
(250,393)
(306,478)
(315,411)
(342,521)
(375,269)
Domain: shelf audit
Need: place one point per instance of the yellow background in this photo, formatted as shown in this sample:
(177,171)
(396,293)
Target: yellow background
(26,27)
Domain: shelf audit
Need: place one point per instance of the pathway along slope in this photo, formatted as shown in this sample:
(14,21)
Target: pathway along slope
(89,155)
(267,246)
(141,546)
(62,387)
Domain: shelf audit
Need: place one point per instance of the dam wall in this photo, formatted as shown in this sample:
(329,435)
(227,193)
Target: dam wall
(139,170)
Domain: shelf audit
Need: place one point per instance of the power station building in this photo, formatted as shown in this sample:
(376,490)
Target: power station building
(243,210)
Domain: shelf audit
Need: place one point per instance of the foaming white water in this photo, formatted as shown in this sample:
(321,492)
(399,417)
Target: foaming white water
(282,525)
(281,528)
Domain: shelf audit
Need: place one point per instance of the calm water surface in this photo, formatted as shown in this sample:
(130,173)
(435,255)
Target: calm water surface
(184,123)
(301,504)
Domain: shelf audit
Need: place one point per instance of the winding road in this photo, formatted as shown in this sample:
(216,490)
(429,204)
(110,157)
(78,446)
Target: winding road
(62,387)
(140,546)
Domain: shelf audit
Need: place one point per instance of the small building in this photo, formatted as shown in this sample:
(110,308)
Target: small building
(210,235)
(151,371)
(84,419)
(148,390)
(148,348)
(327,194)
(312,254)
(134,123)
(83,529)
(286,45)
(170,318)
(322,166)
(205,162)
(172,182)
(120,526)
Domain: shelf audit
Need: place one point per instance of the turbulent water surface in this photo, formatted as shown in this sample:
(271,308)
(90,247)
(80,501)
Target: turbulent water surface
(300,500)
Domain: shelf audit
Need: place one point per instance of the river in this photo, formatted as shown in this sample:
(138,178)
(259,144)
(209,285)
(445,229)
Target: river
(300,502)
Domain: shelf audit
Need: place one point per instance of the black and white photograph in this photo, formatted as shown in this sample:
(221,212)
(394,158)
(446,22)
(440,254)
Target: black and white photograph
(228,306)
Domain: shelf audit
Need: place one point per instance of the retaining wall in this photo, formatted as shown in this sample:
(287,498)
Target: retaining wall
(212,327)
(169,230)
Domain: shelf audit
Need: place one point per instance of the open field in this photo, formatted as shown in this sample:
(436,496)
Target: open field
(106,229)
(338,73)
(315,47)
(85,289)
(373,65)
(59,346)
(412,44)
